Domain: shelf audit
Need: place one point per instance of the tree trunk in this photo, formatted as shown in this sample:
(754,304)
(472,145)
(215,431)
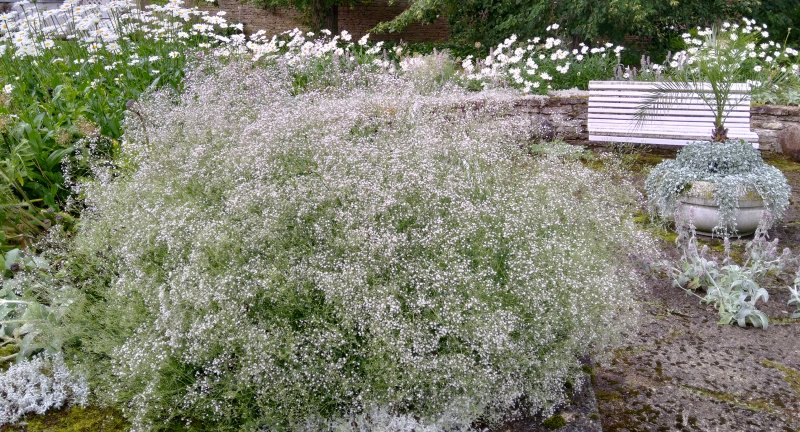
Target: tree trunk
(719,134)
(322,16)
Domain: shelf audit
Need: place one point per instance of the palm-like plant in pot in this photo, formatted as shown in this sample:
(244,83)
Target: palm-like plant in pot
(721,186)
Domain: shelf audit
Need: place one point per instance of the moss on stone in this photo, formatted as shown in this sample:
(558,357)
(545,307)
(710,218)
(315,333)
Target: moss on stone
(7,351)
(783,321)
(639,161)
(658,230)
(756,405)
(590,372)
(782,162)
(608,395)
(790,375)
(75,419)
(737,248)
(555,422)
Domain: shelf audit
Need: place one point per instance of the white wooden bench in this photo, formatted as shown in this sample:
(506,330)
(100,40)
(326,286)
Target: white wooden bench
(613,106)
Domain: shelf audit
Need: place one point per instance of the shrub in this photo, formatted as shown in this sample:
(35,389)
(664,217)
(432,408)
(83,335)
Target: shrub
(37,385)
(280,262)
(541,64)
(733,167)
(429,72)
(741,51)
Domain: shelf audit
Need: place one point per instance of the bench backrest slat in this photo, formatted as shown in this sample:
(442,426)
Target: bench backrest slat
(613,106)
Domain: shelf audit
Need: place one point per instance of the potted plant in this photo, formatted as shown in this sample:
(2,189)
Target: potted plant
(721,186)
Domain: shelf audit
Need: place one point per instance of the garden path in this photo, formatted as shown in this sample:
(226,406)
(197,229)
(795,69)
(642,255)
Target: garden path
(681,371)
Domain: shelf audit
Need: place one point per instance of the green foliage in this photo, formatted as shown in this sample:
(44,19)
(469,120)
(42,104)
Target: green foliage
(62,91)
(555,422)
(489,22)
(22,312)
(782,17)
(540,64)
(734,168)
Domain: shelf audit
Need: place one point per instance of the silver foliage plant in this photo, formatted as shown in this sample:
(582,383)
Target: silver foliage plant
(735,168)
(734,289)
(39,384)
(341,258)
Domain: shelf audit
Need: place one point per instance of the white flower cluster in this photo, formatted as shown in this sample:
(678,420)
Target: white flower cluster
(762,55)
(103,27)
(532,65)
(297,48)
(291,261)
(34,386)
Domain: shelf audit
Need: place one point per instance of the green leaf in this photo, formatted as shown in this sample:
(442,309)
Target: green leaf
(12,257)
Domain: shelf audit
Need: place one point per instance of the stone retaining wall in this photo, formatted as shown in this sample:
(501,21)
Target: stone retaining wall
(568,115)
(769,120)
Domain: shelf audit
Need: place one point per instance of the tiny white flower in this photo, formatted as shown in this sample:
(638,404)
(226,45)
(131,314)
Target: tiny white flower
(8,88)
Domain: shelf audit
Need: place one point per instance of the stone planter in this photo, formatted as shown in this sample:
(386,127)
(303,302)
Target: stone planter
(698,206)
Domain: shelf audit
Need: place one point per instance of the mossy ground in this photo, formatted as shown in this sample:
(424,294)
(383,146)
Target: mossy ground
(681,371)
(783,163)
(555,422)
(75,419)
(791,375)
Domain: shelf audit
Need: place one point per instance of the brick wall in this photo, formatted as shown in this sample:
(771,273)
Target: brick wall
(254,18)
(358,20)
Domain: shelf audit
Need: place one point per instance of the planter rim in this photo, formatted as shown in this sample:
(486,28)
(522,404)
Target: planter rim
(701,192)
(706,202)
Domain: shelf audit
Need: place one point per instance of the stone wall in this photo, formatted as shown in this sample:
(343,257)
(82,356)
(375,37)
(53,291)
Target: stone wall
(567,113)
(357,20)
(769,120)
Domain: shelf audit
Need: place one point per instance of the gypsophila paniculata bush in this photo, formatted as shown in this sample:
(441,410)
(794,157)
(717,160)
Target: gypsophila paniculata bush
(343,259)
(37,385)
(735,168)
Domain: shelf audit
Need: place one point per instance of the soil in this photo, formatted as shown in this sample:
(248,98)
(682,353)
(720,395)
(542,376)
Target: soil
(682,371)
